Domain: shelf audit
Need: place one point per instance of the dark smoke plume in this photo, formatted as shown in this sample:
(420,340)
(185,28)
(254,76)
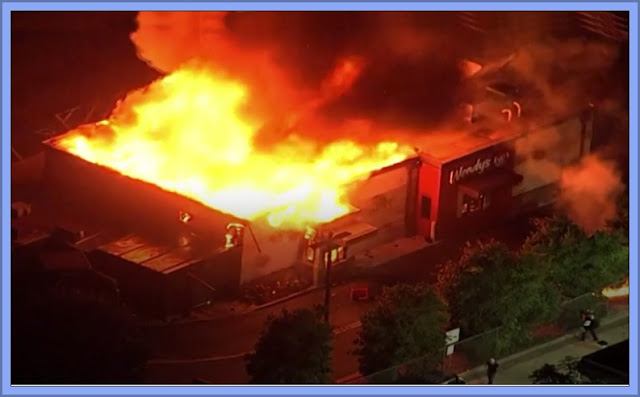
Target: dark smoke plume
(409,78)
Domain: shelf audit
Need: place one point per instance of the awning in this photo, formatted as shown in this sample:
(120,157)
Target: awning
(354,231)
(492,181)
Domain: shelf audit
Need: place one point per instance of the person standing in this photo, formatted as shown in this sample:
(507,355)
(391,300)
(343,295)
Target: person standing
(492,369)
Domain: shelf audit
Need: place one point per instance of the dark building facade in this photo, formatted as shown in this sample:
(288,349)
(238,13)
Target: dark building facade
(167,281)
(469,192)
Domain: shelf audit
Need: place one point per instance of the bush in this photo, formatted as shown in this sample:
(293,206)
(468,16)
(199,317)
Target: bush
(577,263)
(407,322)
(491,286)
(294,348)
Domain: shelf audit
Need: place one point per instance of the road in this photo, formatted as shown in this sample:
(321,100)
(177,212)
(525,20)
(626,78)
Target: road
(231,370)
(208,343)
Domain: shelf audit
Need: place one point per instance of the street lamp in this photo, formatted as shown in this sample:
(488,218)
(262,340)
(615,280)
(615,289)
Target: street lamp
(327,244)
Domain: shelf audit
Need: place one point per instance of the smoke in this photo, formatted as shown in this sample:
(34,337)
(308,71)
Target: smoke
(589,192)
(319,71)
(562,76)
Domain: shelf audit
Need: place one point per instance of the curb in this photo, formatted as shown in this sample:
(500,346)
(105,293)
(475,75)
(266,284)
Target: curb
(240,313)
(527,354)
(348,378)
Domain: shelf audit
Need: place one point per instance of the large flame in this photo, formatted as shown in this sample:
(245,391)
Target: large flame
(187,133)
(617,291)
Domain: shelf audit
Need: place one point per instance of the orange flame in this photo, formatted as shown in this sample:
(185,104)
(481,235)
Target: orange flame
(617,291)
(185,133)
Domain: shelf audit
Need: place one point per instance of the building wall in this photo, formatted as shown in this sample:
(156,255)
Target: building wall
(141,288)
(428,200)
(382,201)
(543,154)
(119,203)
(221,271)
(268,250)
(450,221)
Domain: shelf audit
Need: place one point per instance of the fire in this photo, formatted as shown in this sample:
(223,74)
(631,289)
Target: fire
(617,291)
(187,133)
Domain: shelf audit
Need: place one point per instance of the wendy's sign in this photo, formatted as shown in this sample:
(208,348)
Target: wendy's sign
(481,165)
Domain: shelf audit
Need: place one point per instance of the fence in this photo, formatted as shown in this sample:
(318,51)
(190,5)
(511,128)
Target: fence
(474,351)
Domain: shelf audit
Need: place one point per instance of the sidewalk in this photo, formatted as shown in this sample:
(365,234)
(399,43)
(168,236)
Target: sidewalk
(515,369)
(406,259)
(380,255)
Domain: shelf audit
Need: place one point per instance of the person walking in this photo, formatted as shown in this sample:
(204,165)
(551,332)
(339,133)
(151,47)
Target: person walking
(492,369)
(589,324)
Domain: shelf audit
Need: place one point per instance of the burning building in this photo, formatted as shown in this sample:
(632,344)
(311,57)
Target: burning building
(177,163)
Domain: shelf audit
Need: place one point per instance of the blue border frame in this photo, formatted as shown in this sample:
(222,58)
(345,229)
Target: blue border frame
(314,390)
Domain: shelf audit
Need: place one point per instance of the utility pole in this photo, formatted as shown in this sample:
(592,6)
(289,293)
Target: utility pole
(327,245)
(327,282)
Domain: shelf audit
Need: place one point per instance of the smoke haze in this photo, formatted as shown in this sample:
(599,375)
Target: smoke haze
(589,191)
(406,72)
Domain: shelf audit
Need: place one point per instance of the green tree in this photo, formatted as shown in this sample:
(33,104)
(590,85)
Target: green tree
(565,373)
(294,348)
(620,223)
(577,263)
(407,322)
(490,286)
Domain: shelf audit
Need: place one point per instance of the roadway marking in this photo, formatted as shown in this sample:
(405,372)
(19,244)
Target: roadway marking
(197,360)
(346,328)
(337,331)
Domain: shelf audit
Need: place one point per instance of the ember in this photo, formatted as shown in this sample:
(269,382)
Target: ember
(186,134)
(618,291)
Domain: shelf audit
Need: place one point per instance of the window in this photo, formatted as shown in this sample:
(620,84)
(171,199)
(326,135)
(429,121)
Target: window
(337,255)
(311,254)
(425,207)
(486,202)
(473,204)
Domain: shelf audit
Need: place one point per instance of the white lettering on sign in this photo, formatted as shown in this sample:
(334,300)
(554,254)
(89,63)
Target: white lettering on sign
(479,167)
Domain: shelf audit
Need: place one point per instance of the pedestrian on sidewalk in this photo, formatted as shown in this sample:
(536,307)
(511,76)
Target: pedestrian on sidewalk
(457,380)
(589,324)
(492,369)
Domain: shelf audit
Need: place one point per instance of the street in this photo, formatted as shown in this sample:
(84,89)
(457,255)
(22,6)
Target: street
(210,343)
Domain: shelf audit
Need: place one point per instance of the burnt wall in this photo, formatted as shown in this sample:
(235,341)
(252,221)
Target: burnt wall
(386,200)
(140,288)
(222,272)
(124,204)
(267,250)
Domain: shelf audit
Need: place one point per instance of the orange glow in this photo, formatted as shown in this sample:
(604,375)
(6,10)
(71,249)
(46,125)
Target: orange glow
(187,133)
(618,291)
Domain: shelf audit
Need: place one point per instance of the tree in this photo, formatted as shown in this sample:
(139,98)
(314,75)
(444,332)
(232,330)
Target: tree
(491,286)
(63,338)
(294,348)
(577,263)
(565,373)
(620,223)
(407,322)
